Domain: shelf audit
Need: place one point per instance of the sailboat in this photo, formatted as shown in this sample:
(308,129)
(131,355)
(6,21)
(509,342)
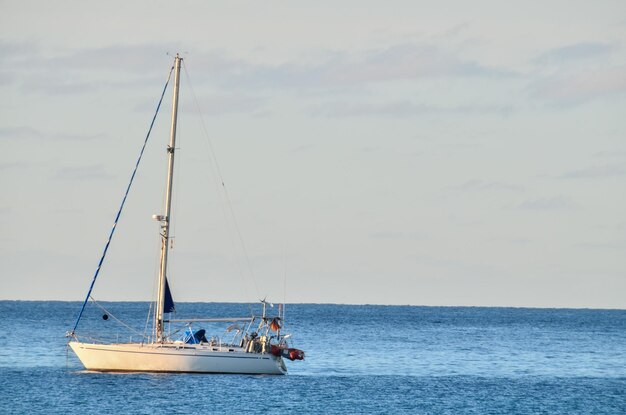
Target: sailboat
(259,347)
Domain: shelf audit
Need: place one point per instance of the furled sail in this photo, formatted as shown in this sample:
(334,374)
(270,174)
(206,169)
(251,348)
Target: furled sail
(169,306)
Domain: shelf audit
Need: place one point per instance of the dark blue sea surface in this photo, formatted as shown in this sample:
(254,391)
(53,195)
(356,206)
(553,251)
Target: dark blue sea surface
(359,359)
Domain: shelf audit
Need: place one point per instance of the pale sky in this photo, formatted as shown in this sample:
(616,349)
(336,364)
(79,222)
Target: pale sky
(391,152)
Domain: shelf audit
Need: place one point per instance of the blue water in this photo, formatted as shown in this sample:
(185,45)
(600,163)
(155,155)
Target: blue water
(360,359)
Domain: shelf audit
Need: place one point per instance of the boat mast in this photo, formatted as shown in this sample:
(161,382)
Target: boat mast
(166,220)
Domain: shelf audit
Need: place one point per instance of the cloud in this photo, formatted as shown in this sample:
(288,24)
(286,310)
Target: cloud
(610,154)
(221,104)
(404,61)
(302,148)
(548,203)
(398,235)
(12,165)
(114,58)
(579,73)
(127,58)
(619,227)
(611,245)
(18,51)
(577,51)
(348,69)
(450,267)
(94,172)
(18,133)
(510,240)
(93,69)
(403,109)
(30,133)
(581,86)
(54,85)
(476,185)
(597,172)
(28,67)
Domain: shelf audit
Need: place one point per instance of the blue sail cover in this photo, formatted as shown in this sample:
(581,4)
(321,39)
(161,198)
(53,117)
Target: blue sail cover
(169,306)
(194,336)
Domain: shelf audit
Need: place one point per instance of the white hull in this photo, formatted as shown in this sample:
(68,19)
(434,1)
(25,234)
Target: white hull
(174,357)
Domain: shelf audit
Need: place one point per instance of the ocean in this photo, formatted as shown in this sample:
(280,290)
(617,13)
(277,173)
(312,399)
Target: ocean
(359,359)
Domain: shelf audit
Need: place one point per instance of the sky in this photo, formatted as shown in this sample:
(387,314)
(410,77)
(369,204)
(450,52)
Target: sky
(397,152)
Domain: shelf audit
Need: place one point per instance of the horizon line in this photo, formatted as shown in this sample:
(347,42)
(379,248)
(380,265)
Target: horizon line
(348,304)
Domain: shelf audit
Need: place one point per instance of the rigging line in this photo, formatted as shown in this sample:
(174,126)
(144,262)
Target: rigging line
(153,294)
(145,328)
(119,212)
(157,266)
(219,173)
(116,319)
(217,180)
(158,243)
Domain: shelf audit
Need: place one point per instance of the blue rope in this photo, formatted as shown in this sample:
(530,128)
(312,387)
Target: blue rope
(119,212)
